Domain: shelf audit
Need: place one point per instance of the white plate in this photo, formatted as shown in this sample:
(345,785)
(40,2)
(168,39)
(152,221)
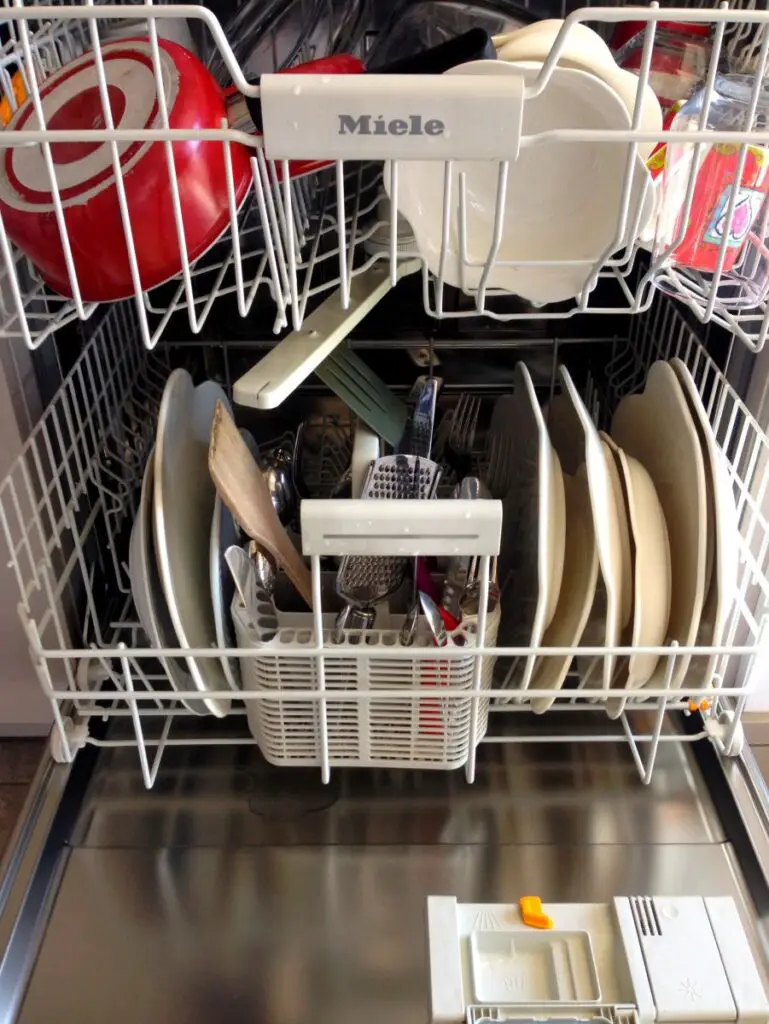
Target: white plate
(562,201)
(577,593)
(723,533)
(533,529)
(224,532)
(147,592)
(183,504)
(575,438)
(652,582)
(586,51)
(657,428)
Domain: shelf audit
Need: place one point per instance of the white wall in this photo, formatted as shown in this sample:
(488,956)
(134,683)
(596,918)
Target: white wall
(23,708)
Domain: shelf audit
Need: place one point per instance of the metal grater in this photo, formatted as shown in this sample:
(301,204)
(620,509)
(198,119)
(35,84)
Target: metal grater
(401,476)
(364,580)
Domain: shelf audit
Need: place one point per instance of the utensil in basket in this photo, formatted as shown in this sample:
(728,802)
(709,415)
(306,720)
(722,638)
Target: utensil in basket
(409,628)
(242,571)
(364,580)
(402,476)
(461,439)
(434,673)
(470,599)
(265,571)
(242,487)
(457,571)
(420,434)
(365,450)
(257,602)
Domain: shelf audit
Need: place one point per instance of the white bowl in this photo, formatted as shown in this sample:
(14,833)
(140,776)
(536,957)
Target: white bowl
(584,50)
(563,198)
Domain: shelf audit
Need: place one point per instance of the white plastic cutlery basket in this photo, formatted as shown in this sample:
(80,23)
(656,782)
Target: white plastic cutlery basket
(414,732)
(410,732)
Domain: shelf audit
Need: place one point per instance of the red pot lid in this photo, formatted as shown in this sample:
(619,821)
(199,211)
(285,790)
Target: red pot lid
(71,99)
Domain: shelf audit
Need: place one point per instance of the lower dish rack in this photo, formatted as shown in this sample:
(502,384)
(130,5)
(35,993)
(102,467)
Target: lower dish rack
(69,501)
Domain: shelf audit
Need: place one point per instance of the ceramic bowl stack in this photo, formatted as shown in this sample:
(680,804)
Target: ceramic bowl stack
(561,202)
(628,539)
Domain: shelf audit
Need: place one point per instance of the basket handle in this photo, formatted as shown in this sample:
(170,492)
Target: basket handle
(405,528)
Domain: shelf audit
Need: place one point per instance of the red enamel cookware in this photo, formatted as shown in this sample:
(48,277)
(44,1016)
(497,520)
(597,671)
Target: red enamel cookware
(85,174)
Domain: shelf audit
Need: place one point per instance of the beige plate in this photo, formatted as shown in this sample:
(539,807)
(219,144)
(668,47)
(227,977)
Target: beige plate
(580,573)
(652,583)
(657,428)
(576,440)
(534,529)
(723,533)
(625,544)
(556,534)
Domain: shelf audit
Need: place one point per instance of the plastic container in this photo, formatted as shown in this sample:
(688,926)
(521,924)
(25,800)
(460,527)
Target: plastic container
(679,60)
(694,242)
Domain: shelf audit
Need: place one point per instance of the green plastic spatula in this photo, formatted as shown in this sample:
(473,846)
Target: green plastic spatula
(365,393)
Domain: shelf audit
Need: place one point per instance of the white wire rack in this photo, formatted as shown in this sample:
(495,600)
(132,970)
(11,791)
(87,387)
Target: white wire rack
(295,239)
(68,503)
(43,39)
(612,284)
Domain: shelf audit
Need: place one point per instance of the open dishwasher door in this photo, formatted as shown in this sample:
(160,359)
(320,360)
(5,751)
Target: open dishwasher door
(237,891)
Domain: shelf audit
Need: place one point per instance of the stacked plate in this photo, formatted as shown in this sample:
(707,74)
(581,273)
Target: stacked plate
(622,540)
(183,599)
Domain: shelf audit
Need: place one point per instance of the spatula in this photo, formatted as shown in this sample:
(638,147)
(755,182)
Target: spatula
(365,393)
(243,490)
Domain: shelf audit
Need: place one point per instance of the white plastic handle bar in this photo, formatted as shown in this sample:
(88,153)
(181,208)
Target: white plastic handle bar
(407,528)
(283,369)
(385,117)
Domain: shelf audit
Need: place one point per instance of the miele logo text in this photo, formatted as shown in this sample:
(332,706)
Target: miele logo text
(366,124)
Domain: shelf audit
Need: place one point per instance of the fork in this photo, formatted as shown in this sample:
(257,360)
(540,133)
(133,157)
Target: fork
(464,423)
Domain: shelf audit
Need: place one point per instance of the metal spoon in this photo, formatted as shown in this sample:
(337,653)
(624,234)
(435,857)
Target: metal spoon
(434,619)
(265,570)
(278,477)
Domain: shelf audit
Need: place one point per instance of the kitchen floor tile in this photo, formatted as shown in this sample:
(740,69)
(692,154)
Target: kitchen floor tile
(19,759)
(12,799)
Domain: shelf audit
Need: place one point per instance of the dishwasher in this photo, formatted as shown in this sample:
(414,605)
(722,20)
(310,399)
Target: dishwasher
(314,756)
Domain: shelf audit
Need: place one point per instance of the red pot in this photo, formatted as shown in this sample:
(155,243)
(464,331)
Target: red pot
(86,179)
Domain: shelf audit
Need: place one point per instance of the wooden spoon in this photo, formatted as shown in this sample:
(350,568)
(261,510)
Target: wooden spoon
(242,488)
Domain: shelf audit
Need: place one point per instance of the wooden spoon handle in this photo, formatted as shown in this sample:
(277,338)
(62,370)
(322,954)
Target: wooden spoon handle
(239,481)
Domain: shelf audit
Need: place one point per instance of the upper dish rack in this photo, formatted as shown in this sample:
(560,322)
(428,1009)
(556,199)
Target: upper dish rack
(283,240)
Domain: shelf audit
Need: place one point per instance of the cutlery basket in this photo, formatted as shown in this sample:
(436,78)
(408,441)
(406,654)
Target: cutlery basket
(409,733)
